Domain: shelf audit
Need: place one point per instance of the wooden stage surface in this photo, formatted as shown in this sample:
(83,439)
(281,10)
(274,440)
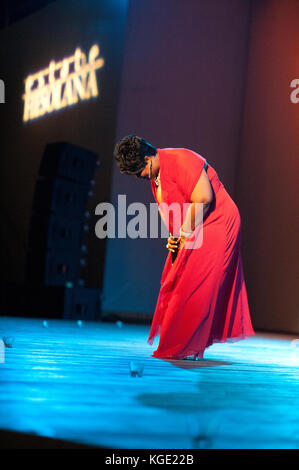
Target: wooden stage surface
(74,384)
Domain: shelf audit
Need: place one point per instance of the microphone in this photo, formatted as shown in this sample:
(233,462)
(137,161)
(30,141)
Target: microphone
(174,253)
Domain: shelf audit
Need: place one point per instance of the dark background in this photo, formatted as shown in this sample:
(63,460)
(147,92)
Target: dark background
(27,46)
(210,75)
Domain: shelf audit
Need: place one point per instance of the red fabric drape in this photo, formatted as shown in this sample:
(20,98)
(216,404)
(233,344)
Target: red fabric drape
(203,296)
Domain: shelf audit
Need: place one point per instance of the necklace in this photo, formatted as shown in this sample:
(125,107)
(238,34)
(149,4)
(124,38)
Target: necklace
(157,179)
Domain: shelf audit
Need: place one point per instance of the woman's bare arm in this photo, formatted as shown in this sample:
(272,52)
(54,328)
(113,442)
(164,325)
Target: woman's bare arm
(202,193)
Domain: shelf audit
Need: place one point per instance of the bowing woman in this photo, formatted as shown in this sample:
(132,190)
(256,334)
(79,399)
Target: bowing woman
(203,298)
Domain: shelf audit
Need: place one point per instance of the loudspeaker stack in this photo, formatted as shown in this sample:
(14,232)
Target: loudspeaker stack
(56,257)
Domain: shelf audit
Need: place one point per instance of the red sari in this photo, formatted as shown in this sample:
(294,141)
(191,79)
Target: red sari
(203,296)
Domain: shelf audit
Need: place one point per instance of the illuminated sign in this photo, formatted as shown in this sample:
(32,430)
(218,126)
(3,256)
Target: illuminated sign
(62,84)
(2,92)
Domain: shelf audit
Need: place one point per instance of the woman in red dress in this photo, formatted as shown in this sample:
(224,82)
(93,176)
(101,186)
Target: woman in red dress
(203,296)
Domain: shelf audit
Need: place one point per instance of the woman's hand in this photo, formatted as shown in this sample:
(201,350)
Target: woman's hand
(172,245)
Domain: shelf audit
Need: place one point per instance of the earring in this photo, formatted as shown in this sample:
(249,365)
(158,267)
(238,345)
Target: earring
(150,170)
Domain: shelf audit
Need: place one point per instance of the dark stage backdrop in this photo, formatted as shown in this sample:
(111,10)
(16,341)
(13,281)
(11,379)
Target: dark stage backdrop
(268,168)
(27,47)
(214,76)
(182,86)
(210,75)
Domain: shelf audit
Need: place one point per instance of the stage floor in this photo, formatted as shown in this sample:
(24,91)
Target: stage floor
(74,384)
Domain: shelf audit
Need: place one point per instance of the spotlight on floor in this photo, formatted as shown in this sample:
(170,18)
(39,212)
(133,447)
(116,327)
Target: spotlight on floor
(8,341)
(136,369)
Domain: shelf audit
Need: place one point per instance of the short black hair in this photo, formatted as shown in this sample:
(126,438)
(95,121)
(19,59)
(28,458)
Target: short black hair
(130,152)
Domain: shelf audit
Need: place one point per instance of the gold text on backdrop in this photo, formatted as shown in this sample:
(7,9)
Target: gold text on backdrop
(62,84)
